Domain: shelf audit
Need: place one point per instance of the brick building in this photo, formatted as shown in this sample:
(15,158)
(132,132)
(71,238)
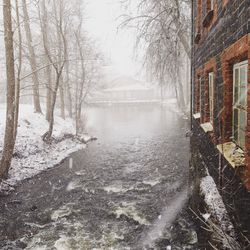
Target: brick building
(221,98)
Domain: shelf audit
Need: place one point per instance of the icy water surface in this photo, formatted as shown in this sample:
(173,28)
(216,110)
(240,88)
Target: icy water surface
(124,191)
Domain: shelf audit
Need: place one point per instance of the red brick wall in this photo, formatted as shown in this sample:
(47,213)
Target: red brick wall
(198,17)
(237,52)
(205,30)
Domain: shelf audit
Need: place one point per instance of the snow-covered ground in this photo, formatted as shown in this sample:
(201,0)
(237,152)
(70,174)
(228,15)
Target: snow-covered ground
(217,218)
(214,202)
(32,155)
(172,104)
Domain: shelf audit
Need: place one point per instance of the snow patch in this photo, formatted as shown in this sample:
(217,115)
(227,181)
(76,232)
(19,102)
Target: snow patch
(129,210)
(233,154)
(197,115)
(73,185)
(206,216)
(31,154)
(117,188)
(152,182)
(34,225)
(212,197)
(62,212)
(207,127)
(63,243)
(215,204)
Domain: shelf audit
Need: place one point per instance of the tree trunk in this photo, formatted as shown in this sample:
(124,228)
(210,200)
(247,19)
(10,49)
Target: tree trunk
(9,141)
(32,59)
(58,63)
(48,92)
(161,91)
(69,95)
(59,41)
(180,32)
(18,82)
(62,103)
(67,84)
(47,136)
(79,100)
(44,29)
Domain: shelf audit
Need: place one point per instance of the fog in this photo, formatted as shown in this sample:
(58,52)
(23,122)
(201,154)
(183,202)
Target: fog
(118,45)
(91,94)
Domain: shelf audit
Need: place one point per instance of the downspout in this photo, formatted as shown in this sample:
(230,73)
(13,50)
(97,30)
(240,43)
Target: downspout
(191,62)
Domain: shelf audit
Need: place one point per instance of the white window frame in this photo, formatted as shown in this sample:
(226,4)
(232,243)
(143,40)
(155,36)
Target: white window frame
(240,141)
(211,96)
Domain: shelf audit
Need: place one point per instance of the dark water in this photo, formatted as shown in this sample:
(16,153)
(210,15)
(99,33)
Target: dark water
(124,191)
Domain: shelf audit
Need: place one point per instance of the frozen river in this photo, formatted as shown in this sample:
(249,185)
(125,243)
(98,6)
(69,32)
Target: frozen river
(124,191)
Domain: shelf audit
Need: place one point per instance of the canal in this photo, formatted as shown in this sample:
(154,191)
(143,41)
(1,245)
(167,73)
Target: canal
(126,190)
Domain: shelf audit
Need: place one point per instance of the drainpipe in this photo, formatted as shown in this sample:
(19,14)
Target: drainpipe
(191,62)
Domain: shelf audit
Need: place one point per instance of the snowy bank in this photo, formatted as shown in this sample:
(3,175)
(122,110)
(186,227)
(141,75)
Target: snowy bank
(214,202)
(32,155)
(172,104)
(217,218)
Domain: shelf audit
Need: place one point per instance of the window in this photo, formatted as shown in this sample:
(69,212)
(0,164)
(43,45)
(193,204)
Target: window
(211,96)
(240,103)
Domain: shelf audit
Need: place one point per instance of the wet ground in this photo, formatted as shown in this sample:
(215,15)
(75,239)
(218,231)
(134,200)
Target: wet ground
(127,190)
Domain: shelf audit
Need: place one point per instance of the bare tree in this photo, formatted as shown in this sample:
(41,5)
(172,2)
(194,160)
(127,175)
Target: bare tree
(67,64)
(32,59)
(163,29)
(19,68)
(67,82)
(9,140)
(57,60)
(80,84)
(44,30)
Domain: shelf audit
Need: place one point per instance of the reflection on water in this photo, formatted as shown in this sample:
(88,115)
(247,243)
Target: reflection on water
(122,192)
(117,122)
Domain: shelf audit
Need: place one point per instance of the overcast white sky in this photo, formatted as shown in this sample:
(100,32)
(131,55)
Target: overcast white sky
(102,24)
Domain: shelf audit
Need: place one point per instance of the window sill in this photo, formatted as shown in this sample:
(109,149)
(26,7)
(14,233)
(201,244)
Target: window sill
(208,18)
(197,115)
(233,154)
(207,127)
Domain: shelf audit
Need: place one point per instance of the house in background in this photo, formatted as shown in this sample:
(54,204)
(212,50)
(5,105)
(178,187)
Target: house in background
(221,99)
(124,89)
